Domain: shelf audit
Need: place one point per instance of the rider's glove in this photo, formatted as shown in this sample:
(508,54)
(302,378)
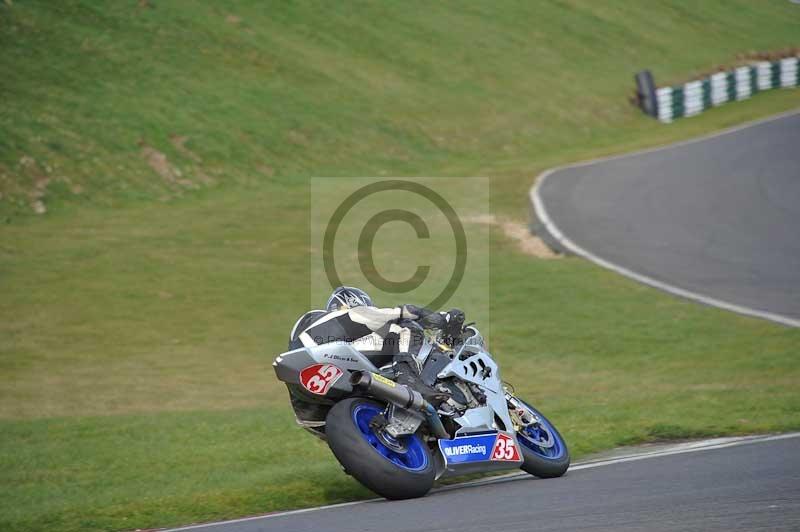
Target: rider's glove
(427,318)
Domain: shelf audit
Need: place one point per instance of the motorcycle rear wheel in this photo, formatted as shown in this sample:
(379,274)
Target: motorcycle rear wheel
(401,468)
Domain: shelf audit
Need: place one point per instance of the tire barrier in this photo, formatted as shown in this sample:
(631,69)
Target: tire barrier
(646,92)
(696,96)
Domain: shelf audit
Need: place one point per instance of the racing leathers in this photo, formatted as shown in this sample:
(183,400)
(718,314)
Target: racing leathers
(376,332)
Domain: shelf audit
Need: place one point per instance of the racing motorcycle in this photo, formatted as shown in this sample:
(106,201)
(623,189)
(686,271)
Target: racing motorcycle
(391,437)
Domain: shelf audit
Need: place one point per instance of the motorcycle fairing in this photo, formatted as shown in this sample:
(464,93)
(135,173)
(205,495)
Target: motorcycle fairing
(474,453)
(466,449)
(494,446)
(290,365)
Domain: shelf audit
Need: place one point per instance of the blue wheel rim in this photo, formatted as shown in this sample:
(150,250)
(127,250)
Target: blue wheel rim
(410,454)
(527,434)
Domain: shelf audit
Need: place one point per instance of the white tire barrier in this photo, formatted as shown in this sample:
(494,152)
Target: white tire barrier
(696,96)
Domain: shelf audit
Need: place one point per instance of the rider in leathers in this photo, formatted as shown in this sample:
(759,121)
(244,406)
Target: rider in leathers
(376,332)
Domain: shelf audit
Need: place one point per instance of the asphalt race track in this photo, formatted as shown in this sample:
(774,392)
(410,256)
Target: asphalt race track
(745,487)
(718,218)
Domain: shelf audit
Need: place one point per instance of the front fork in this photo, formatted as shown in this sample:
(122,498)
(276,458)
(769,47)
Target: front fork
(524,418)
(520,414)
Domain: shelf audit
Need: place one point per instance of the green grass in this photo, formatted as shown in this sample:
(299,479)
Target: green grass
(139,317)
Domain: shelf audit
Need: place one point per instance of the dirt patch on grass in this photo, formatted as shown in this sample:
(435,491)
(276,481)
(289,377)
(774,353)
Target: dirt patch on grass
(180,144)
(161,165)
(297,137)
(204,177)
(40,182)
(29,180)
(770,55)
(518,232)
(266,170)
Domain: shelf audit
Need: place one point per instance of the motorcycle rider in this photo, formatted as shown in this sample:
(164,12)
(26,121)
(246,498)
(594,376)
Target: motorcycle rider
(378,333)
(351,317)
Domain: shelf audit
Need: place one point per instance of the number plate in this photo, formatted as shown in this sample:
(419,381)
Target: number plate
(482,448)
(319,378)
(505,449)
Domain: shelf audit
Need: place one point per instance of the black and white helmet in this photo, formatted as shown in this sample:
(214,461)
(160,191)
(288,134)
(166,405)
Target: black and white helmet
(347,296)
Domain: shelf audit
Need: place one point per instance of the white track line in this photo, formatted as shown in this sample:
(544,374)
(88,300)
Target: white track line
(680,448)
(555,232)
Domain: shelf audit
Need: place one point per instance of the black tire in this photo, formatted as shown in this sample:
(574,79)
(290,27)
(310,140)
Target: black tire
(540,466)
(366,464)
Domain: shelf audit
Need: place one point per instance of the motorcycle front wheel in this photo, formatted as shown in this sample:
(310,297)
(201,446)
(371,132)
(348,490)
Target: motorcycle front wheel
(395,468)
(543,448)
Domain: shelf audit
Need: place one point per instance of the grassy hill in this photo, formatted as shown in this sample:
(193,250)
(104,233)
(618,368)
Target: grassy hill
(170,144)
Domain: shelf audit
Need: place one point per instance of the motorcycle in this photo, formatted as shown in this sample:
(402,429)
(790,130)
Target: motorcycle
(397,439)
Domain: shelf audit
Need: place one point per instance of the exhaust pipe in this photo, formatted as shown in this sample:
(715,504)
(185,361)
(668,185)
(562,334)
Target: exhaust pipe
(392,392)
(386,389)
